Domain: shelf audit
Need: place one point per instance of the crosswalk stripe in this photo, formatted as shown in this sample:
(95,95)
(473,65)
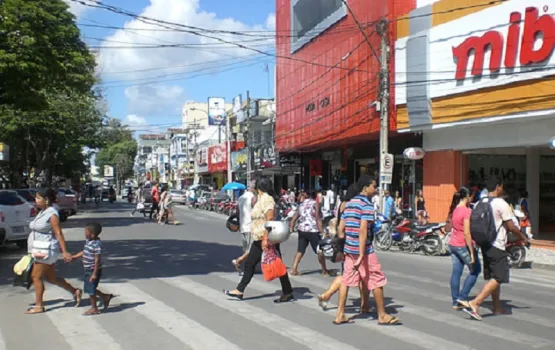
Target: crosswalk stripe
(404,334)
(521,315)
(455,321)
(304,336)
(188,331)
(2,342)
(404,277)
(80,332)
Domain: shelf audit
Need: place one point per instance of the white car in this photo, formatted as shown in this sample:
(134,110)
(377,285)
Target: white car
(15,215)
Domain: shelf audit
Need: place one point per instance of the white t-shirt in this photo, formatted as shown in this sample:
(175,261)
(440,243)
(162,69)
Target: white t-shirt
(501,213)
(244,203)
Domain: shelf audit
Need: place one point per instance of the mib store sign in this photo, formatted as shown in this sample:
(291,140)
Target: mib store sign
(510,42)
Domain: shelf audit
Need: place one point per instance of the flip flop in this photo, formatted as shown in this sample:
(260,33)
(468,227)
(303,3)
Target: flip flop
(236,265)
(470,310)
(343,321)
(322,303)
(91,312)
(393,321)
(107,302)
(35,310)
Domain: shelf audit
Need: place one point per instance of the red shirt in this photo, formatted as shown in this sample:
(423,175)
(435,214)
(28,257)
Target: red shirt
(155,193)
(457,219)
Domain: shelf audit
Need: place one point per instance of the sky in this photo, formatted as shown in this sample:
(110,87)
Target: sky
(146,85)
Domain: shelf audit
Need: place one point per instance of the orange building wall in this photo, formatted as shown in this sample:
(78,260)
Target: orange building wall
(444,173)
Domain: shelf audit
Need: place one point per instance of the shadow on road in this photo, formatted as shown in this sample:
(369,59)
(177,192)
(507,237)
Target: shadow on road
(143,259)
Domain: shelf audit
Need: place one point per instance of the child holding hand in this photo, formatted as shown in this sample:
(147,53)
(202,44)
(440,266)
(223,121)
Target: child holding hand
(92,264)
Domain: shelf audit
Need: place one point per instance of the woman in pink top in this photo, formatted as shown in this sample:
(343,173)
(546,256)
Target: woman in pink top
(462,248)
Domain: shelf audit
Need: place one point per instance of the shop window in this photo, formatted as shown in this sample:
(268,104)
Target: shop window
(547,195)
(510,168)
(309,18)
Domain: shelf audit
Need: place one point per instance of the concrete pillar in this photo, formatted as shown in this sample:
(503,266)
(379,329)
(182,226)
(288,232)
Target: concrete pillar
(533,187)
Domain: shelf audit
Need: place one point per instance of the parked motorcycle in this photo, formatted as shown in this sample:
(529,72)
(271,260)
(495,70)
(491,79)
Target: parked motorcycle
(408,236)
(517,251)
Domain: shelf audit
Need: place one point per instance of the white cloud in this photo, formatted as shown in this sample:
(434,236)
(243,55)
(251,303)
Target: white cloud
(134,120)
(76,8)
(154,99)
(121,64)
(271,21)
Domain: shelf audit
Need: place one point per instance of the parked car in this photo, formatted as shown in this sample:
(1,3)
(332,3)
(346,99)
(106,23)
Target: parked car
(178,197)
(67,201)
(15,215)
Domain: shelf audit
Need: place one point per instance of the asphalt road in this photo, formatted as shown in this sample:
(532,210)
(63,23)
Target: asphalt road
(169,282)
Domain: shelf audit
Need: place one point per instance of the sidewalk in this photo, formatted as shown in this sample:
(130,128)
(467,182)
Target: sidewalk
(542,254)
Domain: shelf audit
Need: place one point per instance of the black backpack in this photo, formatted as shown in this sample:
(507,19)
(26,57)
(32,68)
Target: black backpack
(482,223)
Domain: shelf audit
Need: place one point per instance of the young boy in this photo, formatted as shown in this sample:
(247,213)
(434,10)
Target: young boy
(93,267)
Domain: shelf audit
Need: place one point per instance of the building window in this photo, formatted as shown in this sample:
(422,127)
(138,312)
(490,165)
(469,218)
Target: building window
(309,18)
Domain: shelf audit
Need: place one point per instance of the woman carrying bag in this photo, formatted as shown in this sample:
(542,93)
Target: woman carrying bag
(45,244)
(262,212)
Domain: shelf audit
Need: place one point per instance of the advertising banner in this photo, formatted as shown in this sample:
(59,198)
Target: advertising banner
(217,158)
(290,160)
(201,161)
(216,111)
(268,157)
(239,160)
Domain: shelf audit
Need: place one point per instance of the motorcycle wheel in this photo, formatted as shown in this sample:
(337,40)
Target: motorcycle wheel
(432,246)
(517,255)
(383,240)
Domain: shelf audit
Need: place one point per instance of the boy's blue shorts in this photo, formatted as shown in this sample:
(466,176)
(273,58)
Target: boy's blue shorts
(90,287)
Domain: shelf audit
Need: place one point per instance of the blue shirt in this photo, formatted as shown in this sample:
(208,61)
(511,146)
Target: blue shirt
(389,206)
(92,249)
(357,210)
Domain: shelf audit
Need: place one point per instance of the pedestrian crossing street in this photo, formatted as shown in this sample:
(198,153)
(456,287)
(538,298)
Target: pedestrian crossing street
(191,312)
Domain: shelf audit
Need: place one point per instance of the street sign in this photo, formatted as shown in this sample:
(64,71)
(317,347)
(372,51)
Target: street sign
(414,153)
(386,174)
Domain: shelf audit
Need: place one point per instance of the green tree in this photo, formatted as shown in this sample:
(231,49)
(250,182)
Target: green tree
(121,156)
(48,108)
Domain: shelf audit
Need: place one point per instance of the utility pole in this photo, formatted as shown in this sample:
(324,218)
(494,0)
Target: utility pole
(382,29)
(228,147)
(170,161)
(248,139)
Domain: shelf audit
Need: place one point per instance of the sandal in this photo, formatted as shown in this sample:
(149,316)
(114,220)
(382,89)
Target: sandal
(322,302)
(343,321)
(392,321)
(91,312)
(35,310)
(470,310)
(77,297)
(237,296)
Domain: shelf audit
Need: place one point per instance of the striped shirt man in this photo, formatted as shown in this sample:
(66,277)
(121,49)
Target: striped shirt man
(357,209)
(92,249)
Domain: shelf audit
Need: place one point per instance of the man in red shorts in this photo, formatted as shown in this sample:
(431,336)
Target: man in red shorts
(361,262)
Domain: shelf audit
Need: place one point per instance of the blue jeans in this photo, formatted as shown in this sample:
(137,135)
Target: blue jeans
(461,257)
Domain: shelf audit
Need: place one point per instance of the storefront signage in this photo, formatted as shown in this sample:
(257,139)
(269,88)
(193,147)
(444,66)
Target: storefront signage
(239,160)
(217,158)
(414,153)
(202,156)
(289,161)
(311,107)
(264,156)
(535,27)
(268,156)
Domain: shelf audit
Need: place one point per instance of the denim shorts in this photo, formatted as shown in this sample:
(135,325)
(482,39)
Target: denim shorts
(88,286)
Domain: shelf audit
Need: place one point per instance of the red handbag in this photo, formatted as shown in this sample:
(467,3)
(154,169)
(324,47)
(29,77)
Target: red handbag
(272,265)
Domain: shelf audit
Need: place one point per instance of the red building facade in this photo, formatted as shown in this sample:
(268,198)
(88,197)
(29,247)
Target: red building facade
(327,75)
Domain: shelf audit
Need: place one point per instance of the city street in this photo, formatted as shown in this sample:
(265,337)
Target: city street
(169,280)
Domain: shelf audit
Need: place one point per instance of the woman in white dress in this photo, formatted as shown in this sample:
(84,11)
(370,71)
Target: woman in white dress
(46,243)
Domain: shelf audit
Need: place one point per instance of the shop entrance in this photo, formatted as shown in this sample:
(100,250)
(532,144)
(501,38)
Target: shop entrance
(525,171)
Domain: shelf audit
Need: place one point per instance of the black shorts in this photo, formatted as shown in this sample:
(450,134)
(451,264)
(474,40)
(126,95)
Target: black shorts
(306,238)
(496,264)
